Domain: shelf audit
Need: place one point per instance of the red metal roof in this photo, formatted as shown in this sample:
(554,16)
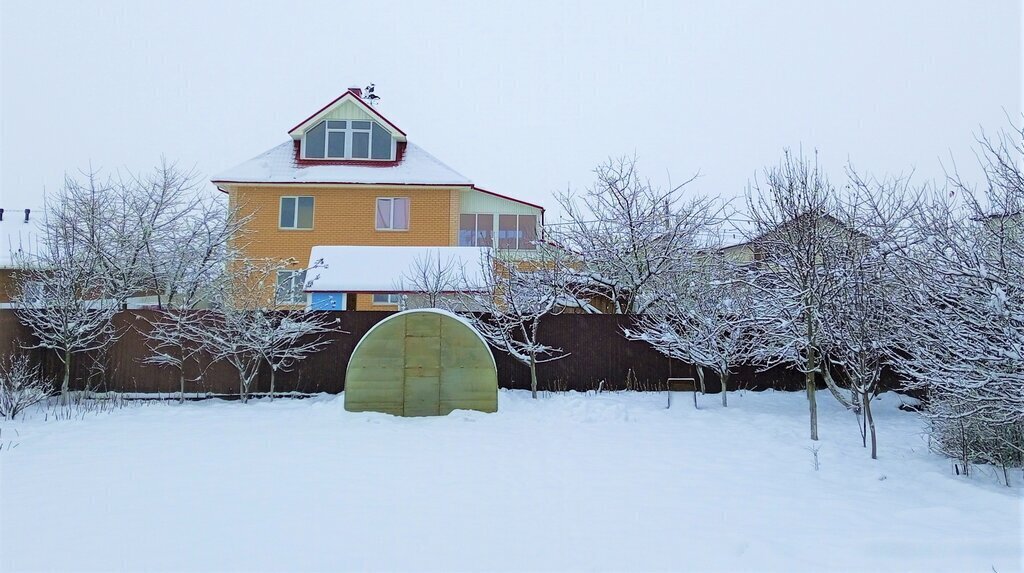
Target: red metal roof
(399,153)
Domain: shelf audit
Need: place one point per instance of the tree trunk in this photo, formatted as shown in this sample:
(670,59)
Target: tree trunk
(533,376)
(862,425)
(866,403)
(700,376)
(67,377)
(725,387)
(241,387)
(830,383)
(181,382)
(273,373)
(812,403)
(809,379)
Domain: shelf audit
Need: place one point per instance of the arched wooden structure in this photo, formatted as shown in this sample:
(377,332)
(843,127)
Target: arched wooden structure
(423,362)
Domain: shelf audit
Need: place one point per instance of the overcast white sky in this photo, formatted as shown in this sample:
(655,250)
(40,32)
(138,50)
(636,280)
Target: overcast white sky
(522,97)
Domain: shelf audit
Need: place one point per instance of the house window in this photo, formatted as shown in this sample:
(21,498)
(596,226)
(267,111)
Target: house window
(476,230)
(289,287)
(32,292)
(392,213)
(517,232)
(385,298)
(328,301)
(347,139)
(296,213)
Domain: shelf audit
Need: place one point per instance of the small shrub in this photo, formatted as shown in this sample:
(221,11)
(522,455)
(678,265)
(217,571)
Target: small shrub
(970,436)
(21,385)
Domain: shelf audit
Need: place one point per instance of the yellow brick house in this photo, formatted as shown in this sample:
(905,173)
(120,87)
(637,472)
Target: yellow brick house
(349,178)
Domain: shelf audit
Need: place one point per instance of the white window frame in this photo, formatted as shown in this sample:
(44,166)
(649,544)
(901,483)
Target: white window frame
(348,129)
(327,137)
(295,216)
(408,218)
(350,135)
(296,295)
(394,299)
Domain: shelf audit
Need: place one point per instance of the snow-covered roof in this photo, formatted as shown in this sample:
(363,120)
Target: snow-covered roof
(385,269)
(279,165)
(18,236)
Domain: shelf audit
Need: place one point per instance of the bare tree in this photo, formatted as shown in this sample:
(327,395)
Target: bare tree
(630,235)
(190,265)
(131,224)
(514,297)
(292,335)
(431,279)
(175,339)
(794,240)
(704,319)
(965,342)
(246,330)
(63,295)
(233,329)
(864,320)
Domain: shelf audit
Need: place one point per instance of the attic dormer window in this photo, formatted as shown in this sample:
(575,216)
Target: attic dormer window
(348,139)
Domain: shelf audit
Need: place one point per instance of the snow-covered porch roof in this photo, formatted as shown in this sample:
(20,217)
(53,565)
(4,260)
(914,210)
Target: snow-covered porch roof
(344,268)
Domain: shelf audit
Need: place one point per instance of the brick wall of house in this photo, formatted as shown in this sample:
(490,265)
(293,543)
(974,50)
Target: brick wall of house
(454,210)
(344,215)
(6,284)
(364,301)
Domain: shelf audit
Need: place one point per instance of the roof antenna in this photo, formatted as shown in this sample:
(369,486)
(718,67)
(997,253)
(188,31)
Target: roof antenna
(370,96)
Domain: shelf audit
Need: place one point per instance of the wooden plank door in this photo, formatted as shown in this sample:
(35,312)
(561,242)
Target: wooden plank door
(422,364)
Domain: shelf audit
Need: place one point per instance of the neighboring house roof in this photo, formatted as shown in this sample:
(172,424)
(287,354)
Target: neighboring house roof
(280,166)
(346,268)
(18,236)
(741,238)
(731,241)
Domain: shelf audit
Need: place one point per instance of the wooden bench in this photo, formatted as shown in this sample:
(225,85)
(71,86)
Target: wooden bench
(682,385)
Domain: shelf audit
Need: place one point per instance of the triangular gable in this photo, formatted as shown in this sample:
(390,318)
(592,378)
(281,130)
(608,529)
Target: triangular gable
(349,96)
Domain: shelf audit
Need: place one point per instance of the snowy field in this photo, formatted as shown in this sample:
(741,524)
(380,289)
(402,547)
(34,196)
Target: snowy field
(570,482)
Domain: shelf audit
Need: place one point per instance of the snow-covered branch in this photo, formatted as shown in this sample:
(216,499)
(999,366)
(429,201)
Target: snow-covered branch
(704,319)
(965,328)
(514,296)
(245,329)
(630,236)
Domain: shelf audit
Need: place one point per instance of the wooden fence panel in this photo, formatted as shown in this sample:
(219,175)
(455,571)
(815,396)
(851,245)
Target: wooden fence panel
(598,356)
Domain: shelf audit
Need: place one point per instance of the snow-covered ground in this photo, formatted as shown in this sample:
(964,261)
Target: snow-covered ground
(570,482)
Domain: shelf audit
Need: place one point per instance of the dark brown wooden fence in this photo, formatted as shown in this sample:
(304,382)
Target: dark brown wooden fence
(599,356)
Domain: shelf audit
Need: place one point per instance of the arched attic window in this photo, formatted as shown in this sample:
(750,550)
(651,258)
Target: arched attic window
(348,139)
